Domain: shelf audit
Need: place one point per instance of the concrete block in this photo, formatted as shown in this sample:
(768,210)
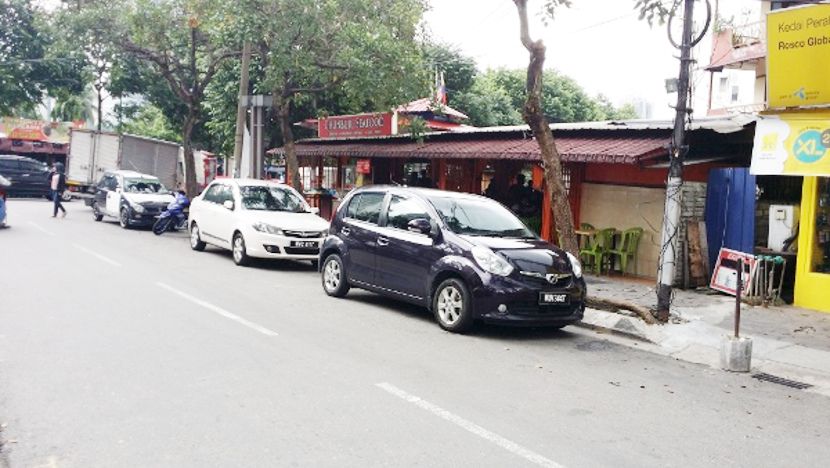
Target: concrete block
(736,354)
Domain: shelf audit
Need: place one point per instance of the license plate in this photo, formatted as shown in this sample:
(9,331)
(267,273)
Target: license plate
(554,299)
(304,244)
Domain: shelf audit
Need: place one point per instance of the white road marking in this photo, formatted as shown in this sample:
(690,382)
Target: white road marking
(218,310)
(506,444)
(41,229)
(97,255)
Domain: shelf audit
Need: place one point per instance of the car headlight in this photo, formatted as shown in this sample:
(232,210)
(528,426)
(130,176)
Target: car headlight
(490,262)
(576,266)
(264,227)
(136,207)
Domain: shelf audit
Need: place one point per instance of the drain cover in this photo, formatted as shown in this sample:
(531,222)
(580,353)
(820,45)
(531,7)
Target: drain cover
(781,381)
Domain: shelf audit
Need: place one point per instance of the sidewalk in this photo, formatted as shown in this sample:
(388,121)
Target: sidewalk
(787,341)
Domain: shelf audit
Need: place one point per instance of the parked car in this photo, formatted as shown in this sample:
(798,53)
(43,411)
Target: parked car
(133,198)
(29,177)
(463,256)
(256,218)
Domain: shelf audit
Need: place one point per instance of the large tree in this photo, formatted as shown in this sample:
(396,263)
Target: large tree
(184,44)
(534,113)
(366,50)
(28,70)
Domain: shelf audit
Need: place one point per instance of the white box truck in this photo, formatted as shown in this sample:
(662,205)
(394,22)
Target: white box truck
(91,153)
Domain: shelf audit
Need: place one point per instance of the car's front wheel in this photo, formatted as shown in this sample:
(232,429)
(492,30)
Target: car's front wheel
(334,276)
(240,255)
(124,218)
(452,306)
(196,242)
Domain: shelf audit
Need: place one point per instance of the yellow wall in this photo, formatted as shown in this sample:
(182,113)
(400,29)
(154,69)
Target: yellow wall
(812,290)
(625,207)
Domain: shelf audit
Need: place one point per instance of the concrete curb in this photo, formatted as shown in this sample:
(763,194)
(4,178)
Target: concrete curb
(609,322)
(699,342)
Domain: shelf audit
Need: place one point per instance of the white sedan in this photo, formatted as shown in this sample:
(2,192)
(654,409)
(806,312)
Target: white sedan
(254,218)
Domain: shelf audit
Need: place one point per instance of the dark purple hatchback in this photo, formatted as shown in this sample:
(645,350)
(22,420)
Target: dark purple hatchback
(464,257)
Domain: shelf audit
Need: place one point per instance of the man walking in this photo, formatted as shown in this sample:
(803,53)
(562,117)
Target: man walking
(58,185)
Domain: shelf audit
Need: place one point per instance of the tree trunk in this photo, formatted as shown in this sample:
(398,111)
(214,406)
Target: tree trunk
(100,106)
(292,165)
(241,110)
(534,116)
(191,187)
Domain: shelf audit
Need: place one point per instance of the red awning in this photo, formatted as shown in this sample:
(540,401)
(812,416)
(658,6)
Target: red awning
(617,150)
(8,145)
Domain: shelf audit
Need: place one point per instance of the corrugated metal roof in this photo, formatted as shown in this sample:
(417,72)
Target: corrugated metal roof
(608,149)
(721,124)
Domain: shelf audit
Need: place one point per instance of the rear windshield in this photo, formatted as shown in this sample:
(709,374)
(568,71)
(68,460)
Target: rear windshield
(258,197)
(479,217)
(144,185)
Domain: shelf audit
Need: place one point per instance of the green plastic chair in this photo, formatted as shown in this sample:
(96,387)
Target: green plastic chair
(598,246)
(629,243)
(587,227)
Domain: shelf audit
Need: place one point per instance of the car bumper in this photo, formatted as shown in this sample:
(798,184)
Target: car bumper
(521,304)
(142,219)
(264,245)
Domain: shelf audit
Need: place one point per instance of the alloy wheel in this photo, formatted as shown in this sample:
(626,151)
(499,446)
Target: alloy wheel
(238,248)
(332,275)
(450,305)
(194,236)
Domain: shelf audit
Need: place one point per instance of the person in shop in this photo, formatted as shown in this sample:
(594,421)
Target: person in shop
(517,193)
(425,180)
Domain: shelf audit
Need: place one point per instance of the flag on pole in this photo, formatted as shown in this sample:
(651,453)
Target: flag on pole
(442,90)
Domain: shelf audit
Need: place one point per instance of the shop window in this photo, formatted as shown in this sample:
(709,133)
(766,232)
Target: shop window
(821,257)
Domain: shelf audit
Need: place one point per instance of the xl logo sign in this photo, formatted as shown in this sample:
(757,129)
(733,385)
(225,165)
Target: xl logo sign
(809,147)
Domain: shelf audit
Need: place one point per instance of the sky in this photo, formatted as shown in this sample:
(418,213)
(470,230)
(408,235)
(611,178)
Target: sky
(600,43)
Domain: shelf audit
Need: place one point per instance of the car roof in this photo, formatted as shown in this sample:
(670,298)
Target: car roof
(253,182)
(423,192)
(19,158)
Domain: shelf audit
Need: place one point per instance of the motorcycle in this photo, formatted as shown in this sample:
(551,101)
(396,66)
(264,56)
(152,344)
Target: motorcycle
(173,218)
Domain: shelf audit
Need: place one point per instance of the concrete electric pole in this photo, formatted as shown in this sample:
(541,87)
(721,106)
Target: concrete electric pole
(677,153)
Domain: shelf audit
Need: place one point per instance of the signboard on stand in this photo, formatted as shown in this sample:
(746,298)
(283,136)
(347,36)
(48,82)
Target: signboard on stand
(725,276)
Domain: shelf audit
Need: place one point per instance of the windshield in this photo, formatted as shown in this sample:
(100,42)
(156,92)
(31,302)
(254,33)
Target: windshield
(479,217)
(144,185)
(271,199)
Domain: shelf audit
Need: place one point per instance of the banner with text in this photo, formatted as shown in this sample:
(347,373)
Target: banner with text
(355,125)
(792,144)
(798,56)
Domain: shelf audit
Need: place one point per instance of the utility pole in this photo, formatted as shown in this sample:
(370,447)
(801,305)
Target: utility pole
(674,184)
(241,110)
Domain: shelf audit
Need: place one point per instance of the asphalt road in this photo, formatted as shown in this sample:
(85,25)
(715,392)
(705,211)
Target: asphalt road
(120,348)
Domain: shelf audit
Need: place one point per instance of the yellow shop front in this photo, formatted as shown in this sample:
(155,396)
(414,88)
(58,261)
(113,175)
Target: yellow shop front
(798,144)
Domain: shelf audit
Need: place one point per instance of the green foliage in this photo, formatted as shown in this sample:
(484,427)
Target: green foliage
(498,96)
(459,70)
(149,121)
(27,68)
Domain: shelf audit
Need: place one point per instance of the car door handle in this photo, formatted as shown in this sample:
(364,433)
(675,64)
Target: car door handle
(383,241)
(346,231)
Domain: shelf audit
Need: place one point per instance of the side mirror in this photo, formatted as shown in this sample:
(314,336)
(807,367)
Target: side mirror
(420,226)
(314,210)
(228,204)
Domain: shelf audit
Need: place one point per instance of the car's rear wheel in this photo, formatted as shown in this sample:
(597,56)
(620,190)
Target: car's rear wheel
(96,213)
(66,196)
(333,276)
(196,242)
(124,218)
(452,306)
(240,256)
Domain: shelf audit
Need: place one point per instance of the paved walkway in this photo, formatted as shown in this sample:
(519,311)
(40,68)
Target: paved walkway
(787,341)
